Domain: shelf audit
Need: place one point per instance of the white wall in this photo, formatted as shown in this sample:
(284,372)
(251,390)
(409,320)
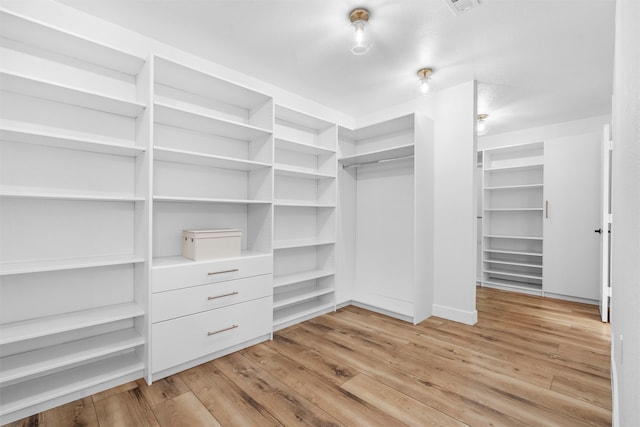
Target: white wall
(544,133)
(625,301)
(455,204)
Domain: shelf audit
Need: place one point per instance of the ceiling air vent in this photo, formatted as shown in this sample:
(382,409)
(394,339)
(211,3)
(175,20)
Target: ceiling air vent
(458,7)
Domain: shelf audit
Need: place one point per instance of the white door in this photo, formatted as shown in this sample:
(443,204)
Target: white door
(571,263)
(604,224)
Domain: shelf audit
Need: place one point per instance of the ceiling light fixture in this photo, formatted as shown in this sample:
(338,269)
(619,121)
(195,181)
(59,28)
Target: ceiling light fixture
(424,75)
(482,127)
(362,36)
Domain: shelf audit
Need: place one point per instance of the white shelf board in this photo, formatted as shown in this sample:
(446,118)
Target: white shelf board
(68,95)
(300,173)
(28,364)
(291,279)
(178,199)
(513,209)
(54,137)
(25,267)
(515,187)
(37,193)
(515,263)
(300,147)
(39,390)
(173,261)
(389,127)
(302,204)
(208,123)
(302,119)
(513,284)
(495,236)
(50,38)
(194,158)
(282,317)
(291,298)
(506,251)
(289,244)
(187,79)
(514,274)
(34,328)
(378,155)
(517,148)
(516,168)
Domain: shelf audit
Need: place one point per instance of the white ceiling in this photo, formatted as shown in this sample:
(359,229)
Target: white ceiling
(536,61)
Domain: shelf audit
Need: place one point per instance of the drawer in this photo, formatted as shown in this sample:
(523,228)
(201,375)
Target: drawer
(196,299)
(192,273)
(181,340)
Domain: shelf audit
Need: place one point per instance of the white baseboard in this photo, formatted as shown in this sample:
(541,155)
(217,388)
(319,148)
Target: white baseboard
(456,315)
(615,414)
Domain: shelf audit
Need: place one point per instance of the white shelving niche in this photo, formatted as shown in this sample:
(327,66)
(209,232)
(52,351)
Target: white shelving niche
(386,200)
(513,210)
(212,169)
(305,217)
(74,255)
(212,160)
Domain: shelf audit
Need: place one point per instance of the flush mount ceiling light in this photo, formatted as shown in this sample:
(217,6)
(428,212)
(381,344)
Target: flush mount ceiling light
(424,76)
(362,36)
(482,127)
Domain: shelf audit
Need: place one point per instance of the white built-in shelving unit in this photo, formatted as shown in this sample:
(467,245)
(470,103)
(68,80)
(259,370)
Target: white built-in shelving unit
(74,131)
(212,168)
(305,216)
(513,212)
(385,211)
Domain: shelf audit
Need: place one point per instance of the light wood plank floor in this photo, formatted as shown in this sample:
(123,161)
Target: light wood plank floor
(528,361)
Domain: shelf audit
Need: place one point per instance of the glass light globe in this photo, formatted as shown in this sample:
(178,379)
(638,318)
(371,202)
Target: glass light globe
(362,37)
(482,127)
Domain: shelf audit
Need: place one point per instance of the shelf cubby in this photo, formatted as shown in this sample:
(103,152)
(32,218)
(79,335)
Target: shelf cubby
(210,102)
(121,368)
(35,363)
(24,84)
(35,328)
(26,133)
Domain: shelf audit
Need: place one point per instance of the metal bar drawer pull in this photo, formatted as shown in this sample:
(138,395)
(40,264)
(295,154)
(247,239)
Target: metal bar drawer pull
(221,330)
(230,294)
(233,270)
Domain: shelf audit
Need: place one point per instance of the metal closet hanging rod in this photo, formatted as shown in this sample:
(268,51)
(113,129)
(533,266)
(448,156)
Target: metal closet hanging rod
(392,159)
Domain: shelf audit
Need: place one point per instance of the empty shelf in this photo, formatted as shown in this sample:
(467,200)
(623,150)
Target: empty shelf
(43,389)
(54,137)
(34,328)
(290,279)
(52,91)
(28,364)
(66,264)
(201,159)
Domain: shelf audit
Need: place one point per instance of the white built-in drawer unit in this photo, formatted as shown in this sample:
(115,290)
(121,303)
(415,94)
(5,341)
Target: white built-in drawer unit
(181,340)
(169,276)
(195,299)
(202,309)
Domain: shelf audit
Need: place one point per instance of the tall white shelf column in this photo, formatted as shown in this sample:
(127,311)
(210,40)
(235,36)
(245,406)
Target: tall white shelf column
(513,210)
(212,169)
(305,216)
(74,253)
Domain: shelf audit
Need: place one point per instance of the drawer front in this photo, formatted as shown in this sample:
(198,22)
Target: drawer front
(203,272)
(196,299)
(180,340)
